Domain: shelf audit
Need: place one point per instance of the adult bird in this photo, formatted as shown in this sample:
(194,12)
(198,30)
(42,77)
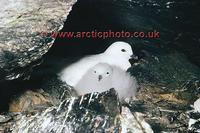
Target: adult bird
(117,54)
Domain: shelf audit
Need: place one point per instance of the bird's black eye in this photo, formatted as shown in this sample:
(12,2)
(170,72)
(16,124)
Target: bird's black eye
(95,71)
(123,50)
(107,73)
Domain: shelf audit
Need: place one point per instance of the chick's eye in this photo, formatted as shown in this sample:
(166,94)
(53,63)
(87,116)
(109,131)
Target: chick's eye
(123,50)
(107,73)
(95,71)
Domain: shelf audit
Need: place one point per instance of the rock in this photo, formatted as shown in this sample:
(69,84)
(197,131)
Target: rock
(96,112)
(57,89)
(5,118)
(30,100)
(6,121)
(153,111)
(93,112)
(21,26)
(162,110)
(194,127)
(133,123)
(197,105)
(173,70)
(194,121)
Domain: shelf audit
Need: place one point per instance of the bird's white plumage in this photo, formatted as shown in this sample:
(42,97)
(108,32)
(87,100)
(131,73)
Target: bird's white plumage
(125,84)
(96,79)
(112,77)
(117,54)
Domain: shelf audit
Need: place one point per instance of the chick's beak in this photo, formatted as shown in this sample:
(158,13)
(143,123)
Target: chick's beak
(100,77)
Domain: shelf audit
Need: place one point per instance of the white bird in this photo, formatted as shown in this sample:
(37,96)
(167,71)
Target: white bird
(96,79)
(117,54)
(103,77)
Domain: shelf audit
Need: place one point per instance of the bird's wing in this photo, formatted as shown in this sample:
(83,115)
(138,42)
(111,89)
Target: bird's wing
(73,73)
(119,62)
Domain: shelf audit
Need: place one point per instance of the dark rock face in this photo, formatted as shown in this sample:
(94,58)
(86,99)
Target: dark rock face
(172,70)
(92,112)
(195,127)
(21,26)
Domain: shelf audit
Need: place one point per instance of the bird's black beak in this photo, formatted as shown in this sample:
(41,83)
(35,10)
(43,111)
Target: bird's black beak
(100,77)
(134,57)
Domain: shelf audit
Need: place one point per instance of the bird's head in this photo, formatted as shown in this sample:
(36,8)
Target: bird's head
(101,71)
(120,49)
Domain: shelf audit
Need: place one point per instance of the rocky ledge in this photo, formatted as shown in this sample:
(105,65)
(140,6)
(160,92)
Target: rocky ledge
(22,26)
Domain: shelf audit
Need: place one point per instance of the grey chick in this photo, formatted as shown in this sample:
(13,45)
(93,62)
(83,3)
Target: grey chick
(96,79)
(103,77)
